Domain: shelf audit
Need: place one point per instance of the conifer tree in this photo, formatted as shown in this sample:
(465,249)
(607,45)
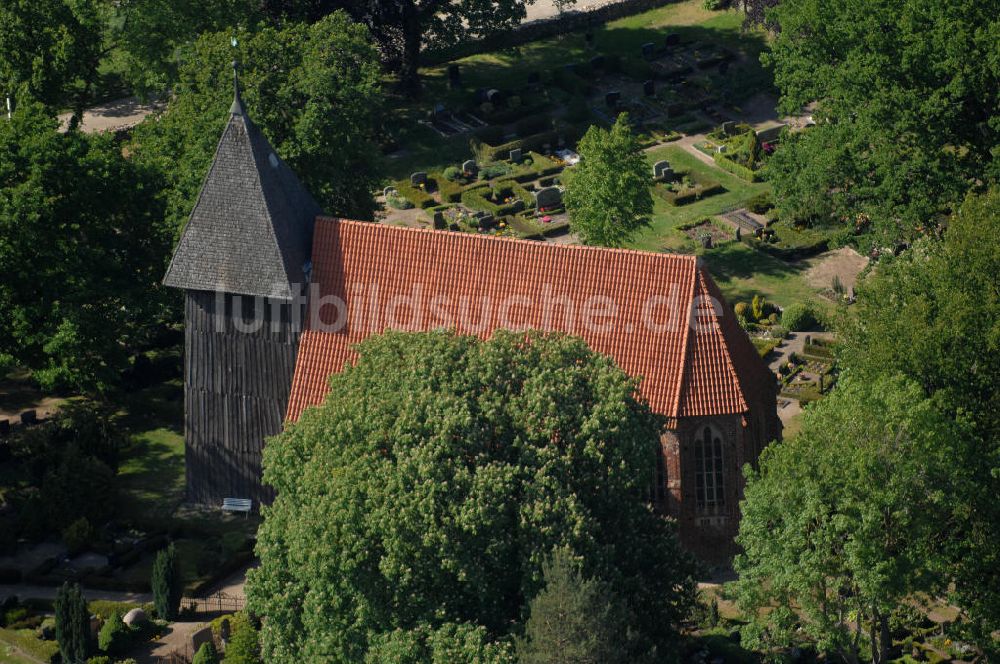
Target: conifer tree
(72,624)
(576,620)
(167,585)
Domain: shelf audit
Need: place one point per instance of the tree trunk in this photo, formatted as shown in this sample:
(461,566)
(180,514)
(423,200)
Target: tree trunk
(409,71)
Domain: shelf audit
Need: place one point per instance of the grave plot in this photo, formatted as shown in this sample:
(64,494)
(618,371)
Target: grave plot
(684,187)
(707,233)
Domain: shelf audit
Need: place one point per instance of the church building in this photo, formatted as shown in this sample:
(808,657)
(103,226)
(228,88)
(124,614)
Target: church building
(276,295)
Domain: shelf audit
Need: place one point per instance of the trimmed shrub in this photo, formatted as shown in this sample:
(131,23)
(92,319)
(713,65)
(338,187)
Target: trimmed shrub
(494,170)
(450,190)
(798,317)
(415,195)
(533,124)
(115,636)
(739,170)
(452,173)
(206,655)
(78,535)
(696,193)
(761,203)
(487,152)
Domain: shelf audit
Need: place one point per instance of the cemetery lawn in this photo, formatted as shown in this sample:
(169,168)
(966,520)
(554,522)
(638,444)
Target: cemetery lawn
(151,472)
(425,150)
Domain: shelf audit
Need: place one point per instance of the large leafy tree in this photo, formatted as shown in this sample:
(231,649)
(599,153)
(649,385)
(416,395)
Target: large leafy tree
(314,90)
(607,194)
(82,252)
(403,28)
(933,314)
(48,46)
(441,470)
(845,521)
(907,110)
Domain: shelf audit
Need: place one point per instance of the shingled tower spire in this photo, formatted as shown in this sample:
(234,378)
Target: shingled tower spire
(242,262)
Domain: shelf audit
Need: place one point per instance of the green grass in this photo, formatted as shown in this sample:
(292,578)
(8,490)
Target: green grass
(662,232)
(151,473)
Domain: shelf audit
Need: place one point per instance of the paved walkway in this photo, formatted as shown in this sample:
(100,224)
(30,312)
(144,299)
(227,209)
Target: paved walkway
(114,115)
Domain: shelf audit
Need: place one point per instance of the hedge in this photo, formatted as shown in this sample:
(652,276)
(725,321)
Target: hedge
(702,190)
(739,170)
(495,152)
(28,643)
(518,191)
(415,195)
(451,192)
(475,200)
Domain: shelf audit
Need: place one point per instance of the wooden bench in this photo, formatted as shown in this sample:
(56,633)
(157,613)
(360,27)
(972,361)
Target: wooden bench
(237,505)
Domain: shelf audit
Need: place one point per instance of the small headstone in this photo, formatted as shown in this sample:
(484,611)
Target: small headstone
(649,88)
(224,630)
(648,51)
(418,178)
(612,98)
(470,166)
(389,191)
(439,220)
(673,39)
(729,127)
(439,112)
(200,638)
(454,76)
(597,62)
(29,417)
(739,235)
(494,96)
(724,67)
(4,428)
(706,241)
(662,170)
(515,155)
(134,617)
(486,220)
(548,197)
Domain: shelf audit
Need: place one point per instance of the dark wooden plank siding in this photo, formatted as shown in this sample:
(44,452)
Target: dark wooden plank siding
(237,383)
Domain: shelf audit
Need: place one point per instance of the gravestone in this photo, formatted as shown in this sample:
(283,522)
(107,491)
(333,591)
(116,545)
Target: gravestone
(724,67)
(486,220)
(662,170)
(4,428)
(418,178)
(515,155)
(438,220)
(649,88)
(612,98)
(729,127)
(549,197)
(439,112)
(470,166)
(518,206)
(721,149)
(706,240)
(494,96)
(29,417)
(480,95)
(454,76)
(389,191)
(597,62)
(648,51)
(673,39)
(224,631)
(739,234)
(200,638)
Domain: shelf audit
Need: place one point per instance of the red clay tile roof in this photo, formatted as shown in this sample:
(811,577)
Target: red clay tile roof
(452,278)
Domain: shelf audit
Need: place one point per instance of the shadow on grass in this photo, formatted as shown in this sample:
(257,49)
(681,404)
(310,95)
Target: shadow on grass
(735,261)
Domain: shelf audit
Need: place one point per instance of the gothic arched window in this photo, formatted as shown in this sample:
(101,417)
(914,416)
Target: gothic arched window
(710,483)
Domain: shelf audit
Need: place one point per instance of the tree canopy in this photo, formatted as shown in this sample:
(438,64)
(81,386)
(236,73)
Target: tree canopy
(907,109)
(845,521)
(607,194)
(82,252)
(441,470)
(933,314)
(313,90)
